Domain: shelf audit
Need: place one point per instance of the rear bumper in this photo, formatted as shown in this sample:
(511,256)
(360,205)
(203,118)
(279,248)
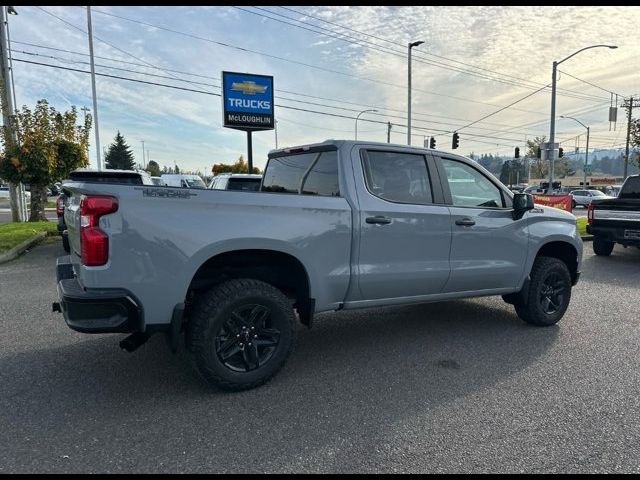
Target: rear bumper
(614,234)
(110,310)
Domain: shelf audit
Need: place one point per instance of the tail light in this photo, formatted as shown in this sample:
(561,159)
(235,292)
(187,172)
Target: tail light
(60,205)
(590,214)
(94,243)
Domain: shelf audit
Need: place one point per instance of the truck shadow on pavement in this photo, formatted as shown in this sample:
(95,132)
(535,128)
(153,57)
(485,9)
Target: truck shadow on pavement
(350,379)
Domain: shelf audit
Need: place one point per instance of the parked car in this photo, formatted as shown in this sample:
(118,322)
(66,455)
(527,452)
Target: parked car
(534,189)
(612,190)
(585,197)
(336,226)
(86,175)
(616,220)
(4,192)
(236,181)
(183,180)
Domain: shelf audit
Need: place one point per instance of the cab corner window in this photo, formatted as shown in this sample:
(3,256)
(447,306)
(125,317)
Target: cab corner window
(469,187)
(398,177)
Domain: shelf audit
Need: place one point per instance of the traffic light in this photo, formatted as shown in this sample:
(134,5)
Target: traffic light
(539,152)
(455,141)
(432,142)
(517,153)
(560,152)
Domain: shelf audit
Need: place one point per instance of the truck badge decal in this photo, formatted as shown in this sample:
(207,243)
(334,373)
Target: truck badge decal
(165,192)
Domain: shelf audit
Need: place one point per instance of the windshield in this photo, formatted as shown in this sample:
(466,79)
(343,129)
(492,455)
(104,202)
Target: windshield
(597,193)
(195,183)
(631,188)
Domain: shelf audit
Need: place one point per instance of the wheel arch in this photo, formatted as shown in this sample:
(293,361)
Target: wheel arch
(275,267)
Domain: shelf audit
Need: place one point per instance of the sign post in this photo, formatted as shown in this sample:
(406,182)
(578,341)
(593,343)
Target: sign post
(247,104)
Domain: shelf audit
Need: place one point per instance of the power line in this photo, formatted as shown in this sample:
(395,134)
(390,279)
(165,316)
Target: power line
(401,54)
(386,115)
(97,38)
(589,83)
(297,62)
(341,101)
(419,54)
(289,107)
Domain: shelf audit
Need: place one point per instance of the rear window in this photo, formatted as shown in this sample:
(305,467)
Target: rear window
(251,184)
(106,177)
(631,188)
(308,173)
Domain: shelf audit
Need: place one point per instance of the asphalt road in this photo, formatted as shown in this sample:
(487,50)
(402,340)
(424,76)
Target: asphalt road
(461,386)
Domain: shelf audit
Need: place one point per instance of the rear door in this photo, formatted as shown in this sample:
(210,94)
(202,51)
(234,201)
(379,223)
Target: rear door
(405,228)
(488,247)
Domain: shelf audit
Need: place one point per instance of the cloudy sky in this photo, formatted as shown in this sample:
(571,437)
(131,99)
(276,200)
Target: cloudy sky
(333,62)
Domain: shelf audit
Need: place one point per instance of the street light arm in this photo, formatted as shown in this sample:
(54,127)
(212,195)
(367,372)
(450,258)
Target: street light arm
(582,50)
(564,116)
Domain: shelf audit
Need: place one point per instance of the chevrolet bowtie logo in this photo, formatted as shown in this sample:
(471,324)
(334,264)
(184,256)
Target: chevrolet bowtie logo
(248,87)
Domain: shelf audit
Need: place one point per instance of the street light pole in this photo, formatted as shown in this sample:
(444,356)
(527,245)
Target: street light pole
(586,157)
(93,89)
(358,116)
(552,129)
(410,46)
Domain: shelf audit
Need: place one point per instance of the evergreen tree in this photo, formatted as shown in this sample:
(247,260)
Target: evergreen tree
(176,170)
(119,155)
(153,168)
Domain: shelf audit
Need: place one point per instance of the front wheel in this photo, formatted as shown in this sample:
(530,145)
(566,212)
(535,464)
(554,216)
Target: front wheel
(241,332)
(549,293)
(573,204)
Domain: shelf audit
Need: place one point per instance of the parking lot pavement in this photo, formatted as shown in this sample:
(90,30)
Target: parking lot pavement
(461,386)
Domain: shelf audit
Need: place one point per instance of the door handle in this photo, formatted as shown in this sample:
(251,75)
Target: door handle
(465,222)
(380,220)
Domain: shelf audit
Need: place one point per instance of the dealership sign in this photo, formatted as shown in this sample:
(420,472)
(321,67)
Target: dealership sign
(247,101)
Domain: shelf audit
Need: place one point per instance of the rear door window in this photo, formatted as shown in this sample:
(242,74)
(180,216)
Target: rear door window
(398,177)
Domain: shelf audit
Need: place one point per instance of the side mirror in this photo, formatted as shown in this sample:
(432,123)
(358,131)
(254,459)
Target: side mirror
(522,202)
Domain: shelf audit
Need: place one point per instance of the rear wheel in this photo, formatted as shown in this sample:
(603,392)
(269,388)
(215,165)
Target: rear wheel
(549,293)
(241,332)
(602,246)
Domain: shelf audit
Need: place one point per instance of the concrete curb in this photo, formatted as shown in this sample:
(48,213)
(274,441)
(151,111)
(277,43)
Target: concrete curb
(587,238)
(18,250)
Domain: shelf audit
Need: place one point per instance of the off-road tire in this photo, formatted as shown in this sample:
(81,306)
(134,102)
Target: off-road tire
(534,310)
(212,311)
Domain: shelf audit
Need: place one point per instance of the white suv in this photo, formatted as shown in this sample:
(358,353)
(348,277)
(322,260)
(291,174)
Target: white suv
(236,181)
(584,197)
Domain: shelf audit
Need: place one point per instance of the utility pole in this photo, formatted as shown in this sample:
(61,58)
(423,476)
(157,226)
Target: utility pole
(629,106)
(143,162)
(93,89)
(409,47)
(8,112)
(276,132)
(388,132)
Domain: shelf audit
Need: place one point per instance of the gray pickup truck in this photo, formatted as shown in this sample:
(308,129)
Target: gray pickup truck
(335,225)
